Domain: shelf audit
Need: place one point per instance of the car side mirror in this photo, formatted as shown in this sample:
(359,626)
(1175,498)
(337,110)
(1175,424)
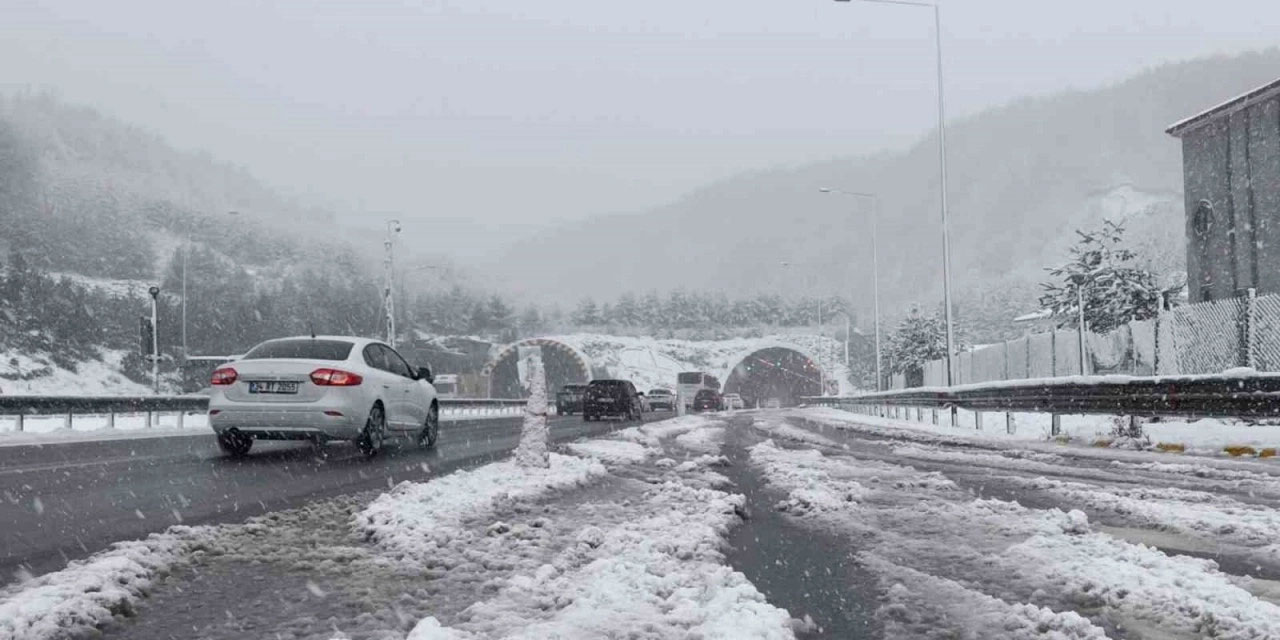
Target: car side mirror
(424,373)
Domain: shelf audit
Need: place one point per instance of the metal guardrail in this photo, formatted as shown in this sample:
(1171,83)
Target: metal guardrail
(19,407)
(1246,395)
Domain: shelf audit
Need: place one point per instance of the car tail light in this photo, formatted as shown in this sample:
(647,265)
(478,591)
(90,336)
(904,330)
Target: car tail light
(223,376)
(335,378)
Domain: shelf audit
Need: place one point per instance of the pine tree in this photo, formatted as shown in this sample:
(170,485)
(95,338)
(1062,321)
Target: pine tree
(531,323)
(1102,271)
(916,340)
(586,314)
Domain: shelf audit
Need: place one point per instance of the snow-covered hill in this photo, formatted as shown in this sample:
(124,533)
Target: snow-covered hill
(38,374)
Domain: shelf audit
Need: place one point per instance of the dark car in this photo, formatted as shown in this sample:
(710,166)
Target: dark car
(606,398)
(662,399)
(708,400)
(569,399)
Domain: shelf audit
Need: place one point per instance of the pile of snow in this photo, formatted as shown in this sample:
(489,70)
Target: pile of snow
(89,593)
(416,517)
(651,435)
(809,482)
(918,604)
(651,363)
(777,427)
(707,440)
(44,377)
(610,451)
(1209,517)
(661,571)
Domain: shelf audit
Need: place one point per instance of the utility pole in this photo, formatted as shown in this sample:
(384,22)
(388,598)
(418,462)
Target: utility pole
(388,288)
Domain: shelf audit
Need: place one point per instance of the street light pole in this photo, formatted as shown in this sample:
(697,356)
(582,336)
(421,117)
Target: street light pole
(942,166)
(875,266)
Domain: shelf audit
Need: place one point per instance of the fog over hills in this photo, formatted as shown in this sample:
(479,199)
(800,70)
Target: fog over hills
(1022,177)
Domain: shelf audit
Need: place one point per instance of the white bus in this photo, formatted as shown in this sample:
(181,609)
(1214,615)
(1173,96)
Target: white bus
(689,383)
(446,385)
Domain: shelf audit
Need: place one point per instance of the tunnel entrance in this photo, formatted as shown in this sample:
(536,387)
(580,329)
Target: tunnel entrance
(777,373)
(563,364)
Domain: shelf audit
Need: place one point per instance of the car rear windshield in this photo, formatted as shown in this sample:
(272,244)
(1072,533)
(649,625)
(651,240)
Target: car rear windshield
(302,349)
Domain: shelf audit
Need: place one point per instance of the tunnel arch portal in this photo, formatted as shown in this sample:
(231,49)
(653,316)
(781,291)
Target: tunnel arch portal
(782,372)
(564,365)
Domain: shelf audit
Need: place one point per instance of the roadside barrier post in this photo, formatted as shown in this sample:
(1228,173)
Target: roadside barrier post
(1055,425)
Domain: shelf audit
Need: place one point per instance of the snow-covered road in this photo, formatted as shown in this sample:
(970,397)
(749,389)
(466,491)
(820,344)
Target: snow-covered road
(758,524)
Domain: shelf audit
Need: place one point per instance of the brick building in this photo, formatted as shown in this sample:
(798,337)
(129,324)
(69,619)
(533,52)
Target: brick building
(1231,181)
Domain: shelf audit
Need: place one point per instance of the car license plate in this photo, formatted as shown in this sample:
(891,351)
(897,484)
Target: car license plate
(273,387)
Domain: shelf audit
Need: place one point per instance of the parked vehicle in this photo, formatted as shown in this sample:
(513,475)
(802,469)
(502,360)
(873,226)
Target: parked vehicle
(708,400)
(773,403)
(662,399)
(569,399)
(321,389)
(609,398)
(734,401)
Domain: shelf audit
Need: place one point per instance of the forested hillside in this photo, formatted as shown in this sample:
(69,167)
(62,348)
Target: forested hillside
(1023,177)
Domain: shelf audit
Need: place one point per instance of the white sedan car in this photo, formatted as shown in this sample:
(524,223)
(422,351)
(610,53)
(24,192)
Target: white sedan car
(320,389)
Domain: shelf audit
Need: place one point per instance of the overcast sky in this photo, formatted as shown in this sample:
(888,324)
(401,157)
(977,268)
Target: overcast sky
(494,113)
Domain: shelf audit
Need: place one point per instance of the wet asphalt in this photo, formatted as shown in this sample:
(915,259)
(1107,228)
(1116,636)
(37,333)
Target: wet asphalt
(61,502)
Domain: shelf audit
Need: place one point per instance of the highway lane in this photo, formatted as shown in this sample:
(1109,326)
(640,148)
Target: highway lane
(60,502)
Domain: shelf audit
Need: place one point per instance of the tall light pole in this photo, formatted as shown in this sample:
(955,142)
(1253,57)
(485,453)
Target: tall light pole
(875,268)
(942,168)
(388,295)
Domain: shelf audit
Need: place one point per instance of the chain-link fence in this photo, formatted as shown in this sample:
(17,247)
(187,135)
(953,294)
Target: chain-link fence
(1265,338)
(1209,337)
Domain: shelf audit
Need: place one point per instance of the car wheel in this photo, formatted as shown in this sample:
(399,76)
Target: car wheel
(234,444)
(431,430)
(375,431)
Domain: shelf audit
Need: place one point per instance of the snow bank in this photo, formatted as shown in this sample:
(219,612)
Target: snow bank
(414,518)
(1211,517)
(1207,435)
(89,593)
(610,451)
(661,572)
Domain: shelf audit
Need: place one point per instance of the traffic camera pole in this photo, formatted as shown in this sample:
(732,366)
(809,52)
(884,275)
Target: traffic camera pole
(155,339)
